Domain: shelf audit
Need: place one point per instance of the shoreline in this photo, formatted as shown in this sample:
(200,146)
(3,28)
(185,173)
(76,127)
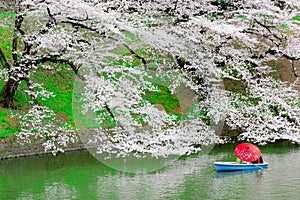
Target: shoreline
(15,150)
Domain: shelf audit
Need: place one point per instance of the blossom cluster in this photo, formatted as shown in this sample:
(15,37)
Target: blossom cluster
(39,126)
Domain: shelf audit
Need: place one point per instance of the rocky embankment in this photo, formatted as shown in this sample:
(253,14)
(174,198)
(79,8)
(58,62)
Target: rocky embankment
(9,148)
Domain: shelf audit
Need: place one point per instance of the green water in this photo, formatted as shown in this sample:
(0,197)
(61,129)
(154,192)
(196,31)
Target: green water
(78,175)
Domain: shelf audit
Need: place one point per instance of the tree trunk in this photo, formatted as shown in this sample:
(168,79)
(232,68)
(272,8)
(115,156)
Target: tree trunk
(9,91)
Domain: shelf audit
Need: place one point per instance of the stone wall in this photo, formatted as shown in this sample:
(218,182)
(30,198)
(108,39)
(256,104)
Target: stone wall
(9,148)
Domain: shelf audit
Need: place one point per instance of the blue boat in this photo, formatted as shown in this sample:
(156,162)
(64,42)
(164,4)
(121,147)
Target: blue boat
(233,166)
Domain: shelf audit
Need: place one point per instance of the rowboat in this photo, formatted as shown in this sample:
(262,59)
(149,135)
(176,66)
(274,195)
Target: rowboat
(233,166)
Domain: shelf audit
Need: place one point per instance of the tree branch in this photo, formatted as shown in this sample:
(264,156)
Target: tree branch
(288,57)
(57,59)
(50,24)
(80,20)
(293,68)
(250,31)
(136,55)
(18,23)
(80,25)
(110,112)
(106,106)
(76,23)
(268,29)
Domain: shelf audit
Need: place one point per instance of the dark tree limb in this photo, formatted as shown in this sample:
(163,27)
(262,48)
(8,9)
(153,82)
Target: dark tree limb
(76,23)
(268,37)
(268,29)
(136,55)
(276,40)
(110,112)
(288,57)
(18,23)
(50,24)
(83,26)
(57,59)
(83,41)
(107,108)
(80,20)
(9,91)
(293,68)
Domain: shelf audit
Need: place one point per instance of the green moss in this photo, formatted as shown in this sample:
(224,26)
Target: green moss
(6,124)
(7,14)
(6,33)
(296,18)
(163,97)
(8,131)
(266,15)
(21,98)
(285,26)
(241,16)
(61,83)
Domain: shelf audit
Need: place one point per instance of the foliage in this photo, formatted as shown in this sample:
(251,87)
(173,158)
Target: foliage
(127,54)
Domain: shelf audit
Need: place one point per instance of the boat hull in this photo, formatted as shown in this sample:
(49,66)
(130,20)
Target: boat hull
(232,166)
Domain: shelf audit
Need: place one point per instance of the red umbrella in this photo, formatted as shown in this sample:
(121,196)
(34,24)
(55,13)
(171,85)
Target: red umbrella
(247,152)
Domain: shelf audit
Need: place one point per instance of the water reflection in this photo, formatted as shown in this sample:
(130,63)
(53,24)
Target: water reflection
(78,175)
(169,182)
(257,172)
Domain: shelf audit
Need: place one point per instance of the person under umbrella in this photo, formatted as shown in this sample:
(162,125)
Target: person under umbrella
(248,152)
(258,161)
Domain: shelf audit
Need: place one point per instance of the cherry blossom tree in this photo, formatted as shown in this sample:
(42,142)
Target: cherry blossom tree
(124,53)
